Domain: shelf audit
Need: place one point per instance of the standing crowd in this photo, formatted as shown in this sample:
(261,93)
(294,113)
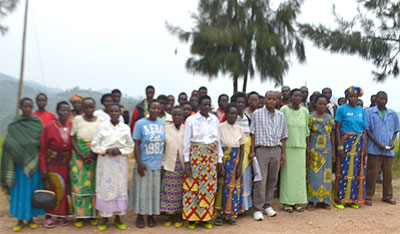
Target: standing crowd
(194,162)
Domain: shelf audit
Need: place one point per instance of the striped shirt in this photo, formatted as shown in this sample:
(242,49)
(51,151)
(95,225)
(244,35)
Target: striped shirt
(244,123)
(268,129)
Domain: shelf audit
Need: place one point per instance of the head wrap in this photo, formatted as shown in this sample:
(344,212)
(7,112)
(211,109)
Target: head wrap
(75,97)
(353,89)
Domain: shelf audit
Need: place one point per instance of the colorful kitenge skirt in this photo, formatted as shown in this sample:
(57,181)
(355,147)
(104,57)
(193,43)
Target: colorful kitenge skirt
(200,190)
(351,170)
(57,164)
(83,183)
(247,177)
(21,194)
(228,203)
(172,188)
(144,198)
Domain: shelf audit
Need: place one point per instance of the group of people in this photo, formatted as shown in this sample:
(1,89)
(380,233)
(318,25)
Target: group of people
(194,162)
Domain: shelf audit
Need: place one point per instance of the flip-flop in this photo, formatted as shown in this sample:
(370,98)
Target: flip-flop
(63,222)
(206,225)
(48,223)
(93,222)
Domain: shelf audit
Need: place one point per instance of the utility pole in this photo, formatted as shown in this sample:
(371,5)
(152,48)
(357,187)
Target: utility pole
(21,75)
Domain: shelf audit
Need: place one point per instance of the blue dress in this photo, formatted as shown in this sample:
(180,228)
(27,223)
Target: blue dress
(21,194)
(319,181)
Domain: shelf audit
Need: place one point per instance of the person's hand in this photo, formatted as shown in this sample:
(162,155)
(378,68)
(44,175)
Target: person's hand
(283,159)
(333,157)
(188,170)
(340,154)
(43,174)
(221,169)
(381,147)
(141,169)
(391,145)
(110,151)
(251,156)
(238,171)
(116,152)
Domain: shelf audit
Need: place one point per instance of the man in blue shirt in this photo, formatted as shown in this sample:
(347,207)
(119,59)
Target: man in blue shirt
(383,125)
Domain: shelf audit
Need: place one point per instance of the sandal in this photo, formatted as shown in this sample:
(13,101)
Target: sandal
(323,205)
(233,222)
(63,222)
(48,223)
(298,208)
(310,206)
(218,221)
(150,221)
(288,208)
(140,222)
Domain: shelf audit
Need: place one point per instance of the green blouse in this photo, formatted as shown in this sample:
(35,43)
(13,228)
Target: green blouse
(297,122)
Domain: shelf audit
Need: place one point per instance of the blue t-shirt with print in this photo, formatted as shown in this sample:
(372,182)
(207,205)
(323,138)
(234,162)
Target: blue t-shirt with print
(352,118)
(151,135)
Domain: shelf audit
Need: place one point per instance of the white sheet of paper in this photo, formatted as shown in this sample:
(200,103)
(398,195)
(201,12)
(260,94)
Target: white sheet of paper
(256,170)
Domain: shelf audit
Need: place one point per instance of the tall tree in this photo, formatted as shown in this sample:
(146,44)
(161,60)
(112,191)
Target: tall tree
(372,34)
(6,7)
(243,37)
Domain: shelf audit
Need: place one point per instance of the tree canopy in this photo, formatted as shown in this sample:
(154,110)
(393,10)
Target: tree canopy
(373,34)
(6,7)
(243,37)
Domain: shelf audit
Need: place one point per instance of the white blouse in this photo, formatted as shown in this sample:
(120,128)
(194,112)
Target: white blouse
(110,136)
(201,130)
(231,135)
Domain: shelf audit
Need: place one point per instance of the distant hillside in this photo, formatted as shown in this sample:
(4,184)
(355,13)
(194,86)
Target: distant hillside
(9,90)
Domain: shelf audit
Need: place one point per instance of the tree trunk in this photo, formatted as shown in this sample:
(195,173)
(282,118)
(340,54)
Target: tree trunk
(244,83)
(235,84)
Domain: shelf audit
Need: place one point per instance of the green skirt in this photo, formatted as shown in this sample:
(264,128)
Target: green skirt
(293,177)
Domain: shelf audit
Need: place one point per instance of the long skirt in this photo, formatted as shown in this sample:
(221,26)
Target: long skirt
(293,177)
(247,177)
(112,185)
(319,180)
(172,188)
(21,194)
(200,189)
(351,170)
(229,193)
(83,183)
(58,181)
(145,192)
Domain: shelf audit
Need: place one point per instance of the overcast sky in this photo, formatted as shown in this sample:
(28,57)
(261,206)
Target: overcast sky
(124,44)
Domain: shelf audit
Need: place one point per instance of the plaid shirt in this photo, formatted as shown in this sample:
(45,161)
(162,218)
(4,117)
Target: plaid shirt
(268,129)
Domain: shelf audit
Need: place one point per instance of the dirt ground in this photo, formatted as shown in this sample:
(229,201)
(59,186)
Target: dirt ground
(379,218)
